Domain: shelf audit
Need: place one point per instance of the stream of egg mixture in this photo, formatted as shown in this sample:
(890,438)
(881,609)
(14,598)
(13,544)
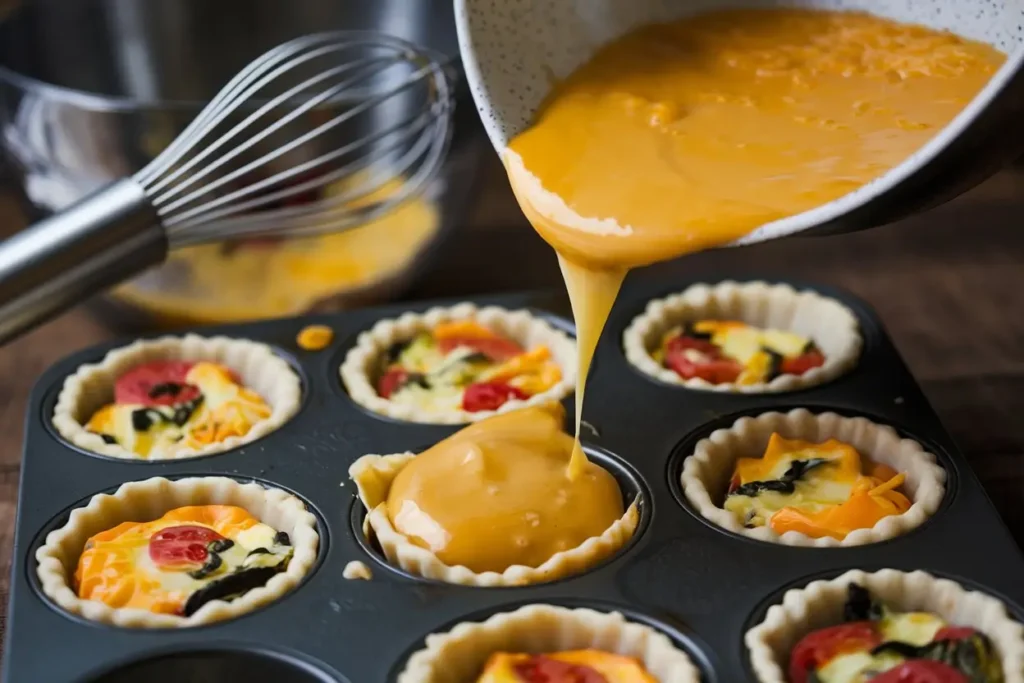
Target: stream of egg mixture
(689,135)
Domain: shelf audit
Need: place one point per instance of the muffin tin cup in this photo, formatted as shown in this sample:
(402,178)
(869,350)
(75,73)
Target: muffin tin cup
(680,574)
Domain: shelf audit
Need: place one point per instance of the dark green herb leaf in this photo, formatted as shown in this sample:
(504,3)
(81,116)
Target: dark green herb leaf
(859,605)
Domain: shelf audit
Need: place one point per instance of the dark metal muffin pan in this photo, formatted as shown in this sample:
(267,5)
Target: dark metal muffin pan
(699,584)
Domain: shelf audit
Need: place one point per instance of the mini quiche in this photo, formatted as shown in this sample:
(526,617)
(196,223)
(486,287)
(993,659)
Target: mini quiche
(887,627)
(801,478)
(817,489)
(751,337)
(161,553)
(730,351)
(878,644)
(494,505)
(572,666)
(176,398)
(459,364)
(190,556)
(585,646)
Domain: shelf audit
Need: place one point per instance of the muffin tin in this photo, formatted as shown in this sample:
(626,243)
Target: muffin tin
(699,584)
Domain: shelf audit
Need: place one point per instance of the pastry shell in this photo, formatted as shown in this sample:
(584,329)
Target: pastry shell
(144,501)
(707,471)
(459,655)
(361,362)
(259,368)
(373,475)
(820,604)
(831,325)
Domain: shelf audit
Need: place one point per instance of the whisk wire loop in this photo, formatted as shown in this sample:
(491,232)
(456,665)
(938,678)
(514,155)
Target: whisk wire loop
(375,119)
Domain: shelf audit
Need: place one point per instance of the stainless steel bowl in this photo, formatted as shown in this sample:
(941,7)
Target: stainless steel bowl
(91,90)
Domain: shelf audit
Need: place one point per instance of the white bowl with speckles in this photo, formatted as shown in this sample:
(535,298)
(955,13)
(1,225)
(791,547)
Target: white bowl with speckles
(511,48)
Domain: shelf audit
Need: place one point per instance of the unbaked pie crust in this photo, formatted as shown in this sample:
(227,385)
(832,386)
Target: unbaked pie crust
(829,324)
(373,475)
(361,364)
(820,604)
(707,471)
(259,368)
(144,501)
(459,655)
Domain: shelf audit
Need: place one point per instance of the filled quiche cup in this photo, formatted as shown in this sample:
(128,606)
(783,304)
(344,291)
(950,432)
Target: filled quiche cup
(495,504)
(894,626)
(165,553)
(459,364)
(550,640)
(177,397)
(751,337)
(807,479)
(374,476)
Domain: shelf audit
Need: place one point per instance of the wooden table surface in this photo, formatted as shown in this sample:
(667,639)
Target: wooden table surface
(948,284)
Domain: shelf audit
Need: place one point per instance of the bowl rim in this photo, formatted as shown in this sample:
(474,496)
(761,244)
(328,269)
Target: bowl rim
(800,222)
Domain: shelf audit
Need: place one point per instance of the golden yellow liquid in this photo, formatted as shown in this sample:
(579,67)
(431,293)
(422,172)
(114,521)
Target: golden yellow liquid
(689,135)
(286,278)
(497,494)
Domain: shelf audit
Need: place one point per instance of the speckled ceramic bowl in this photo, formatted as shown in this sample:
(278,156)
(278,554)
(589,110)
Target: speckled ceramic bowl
(511,49)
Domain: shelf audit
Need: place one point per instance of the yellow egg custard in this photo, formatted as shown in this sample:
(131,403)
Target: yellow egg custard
(493,504)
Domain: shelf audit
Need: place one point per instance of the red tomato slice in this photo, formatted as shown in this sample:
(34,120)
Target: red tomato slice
(495,348)
(160,383)
(682,342)
(802,363)
(954,633)
(921,671)
(709,366)
(181,547)
(818,648)
(390,381)
(489,396)
(541,669)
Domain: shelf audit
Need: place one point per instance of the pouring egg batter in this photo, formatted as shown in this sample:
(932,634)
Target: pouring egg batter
(684,136)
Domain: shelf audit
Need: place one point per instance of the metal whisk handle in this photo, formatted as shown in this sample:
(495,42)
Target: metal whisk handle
(101,241)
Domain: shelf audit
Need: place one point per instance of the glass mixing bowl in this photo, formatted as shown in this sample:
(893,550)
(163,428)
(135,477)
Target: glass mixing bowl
(92,90)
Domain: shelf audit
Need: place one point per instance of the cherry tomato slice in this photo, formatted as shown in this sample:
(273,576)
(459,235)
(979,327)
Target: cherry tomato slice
(921,671)
(181,547)
(390,381)
(682,342)
(160,383)
(708,365)
(802,363)
(495,348)
(954,633)
(541,669)
(489,396)
(818,648)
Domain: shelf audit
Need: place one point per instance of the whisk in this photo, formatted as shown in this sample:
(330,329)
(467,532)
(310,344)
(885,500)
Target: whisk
(240,169)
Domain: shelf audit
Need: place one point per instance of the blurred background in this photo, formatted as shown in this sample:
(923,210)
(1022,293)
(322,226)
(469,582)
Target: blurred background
(91,90)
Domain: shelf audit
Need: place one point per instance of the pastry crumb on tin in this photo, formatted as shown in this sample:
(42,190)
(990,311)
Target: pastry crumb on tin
(459,364)
(177,397)
(891,620)
(905,479)
(465,653)
(214,549)
(751,337)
